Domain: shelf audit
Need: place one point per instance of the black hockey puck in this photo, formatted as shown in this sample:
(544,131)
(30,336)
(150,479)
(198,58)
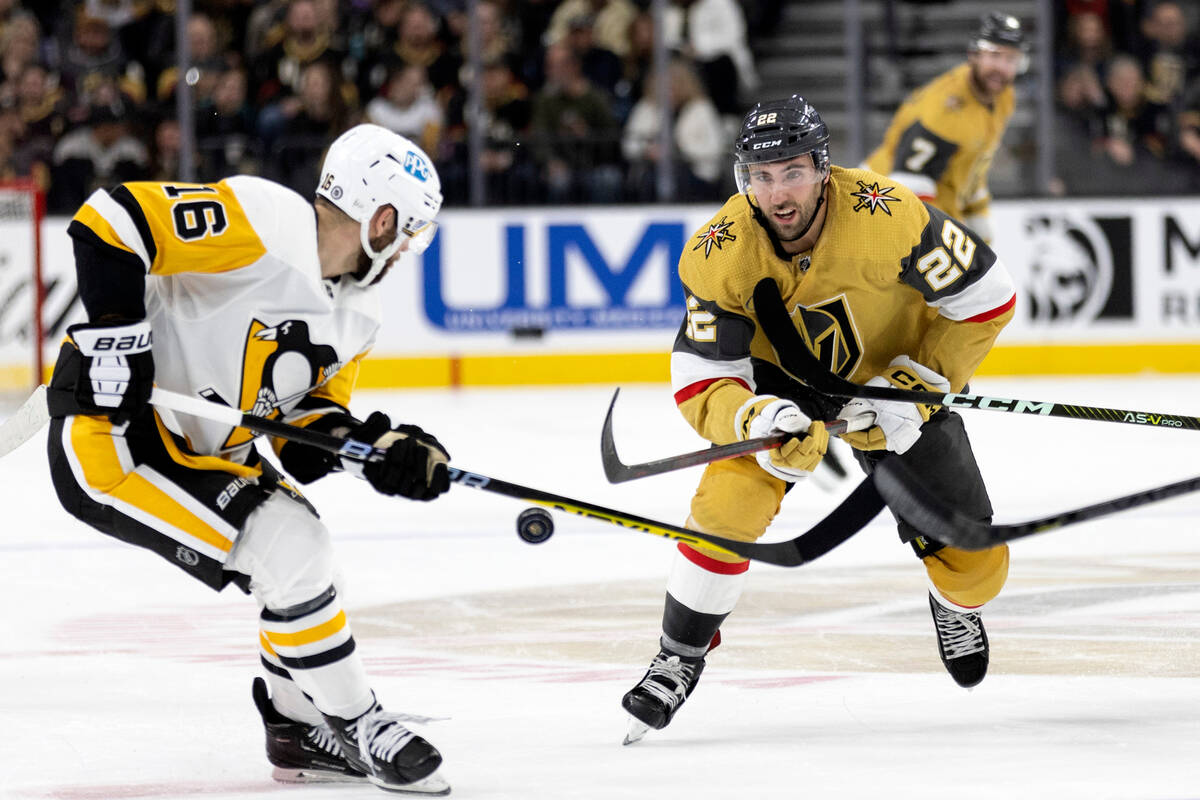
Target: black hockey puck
(534,525)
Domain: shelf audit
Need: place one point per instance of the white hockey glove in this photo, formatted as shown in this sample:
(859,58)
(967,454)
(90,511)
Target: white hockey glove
(796,458)
(897,424)
(116,373)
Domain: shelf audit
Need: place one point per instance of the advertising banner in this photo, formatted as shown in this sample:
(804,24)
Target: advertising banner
(546,295)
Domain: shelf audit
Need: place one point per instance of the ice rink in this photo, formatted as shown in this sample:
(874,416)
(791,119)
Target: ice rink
(122,679)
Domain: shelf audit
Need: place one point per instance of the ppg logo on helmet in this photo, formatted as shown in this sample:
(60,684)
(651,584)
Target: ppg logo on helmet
(416,166)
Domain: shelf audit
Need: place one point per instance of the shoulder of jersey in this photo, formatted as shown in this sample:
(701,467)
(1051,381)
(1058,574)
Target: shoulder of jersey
(726,245)
(283,219)
(877,197)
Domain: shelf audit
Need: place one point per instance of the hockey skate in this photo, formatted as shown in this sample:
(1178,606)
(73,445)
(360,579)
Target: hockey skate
(392,756)
(301,753)
(659,694)
(962,643)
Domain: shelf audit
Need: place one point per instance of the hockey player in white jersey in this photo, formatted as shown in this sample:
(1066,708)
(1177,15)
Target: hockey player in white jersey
(244,293)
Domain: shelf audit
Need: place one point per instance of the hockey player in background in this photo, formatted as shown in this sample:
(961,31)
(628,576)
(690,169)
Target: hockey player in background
(244,293)
(885,290)
(942,139)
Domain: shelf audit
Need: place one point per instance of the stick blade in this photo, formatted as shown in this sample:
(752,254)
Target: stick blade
(902,490)
(25,422)
(614,470)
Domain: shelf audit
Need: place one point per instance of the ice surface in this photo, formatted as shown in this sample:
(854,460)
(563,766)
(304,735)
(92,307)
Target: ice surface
(120,678)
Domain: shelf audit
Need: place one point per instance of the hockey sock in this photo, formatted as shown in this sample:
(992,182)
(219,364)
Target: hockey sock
(313,643)
(701,592)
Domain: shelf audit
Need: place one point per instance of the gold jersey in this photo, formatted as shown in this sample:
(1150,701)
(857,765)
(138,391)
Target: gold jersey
(941,142)
(888,276)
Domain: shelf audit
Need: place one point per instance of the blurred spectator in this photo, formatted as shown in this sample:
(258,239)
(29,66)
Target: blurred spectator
(298,128)
(610,22)
(226,137)
(575,134)
(206,56)
(1170,54)
(701,150)
(41,104)
(602,66)
(164,164)
(94,56)
(262,28)
(1189,132)
(1087,44)
(295,44)
(713,34)
(115,13)
(1134,127)
(510,175)
(1078,127)
(497,38)
(373,43)
(408,108)
(11,132)
(19,45)
(100,153)
(419,43)
(636,64)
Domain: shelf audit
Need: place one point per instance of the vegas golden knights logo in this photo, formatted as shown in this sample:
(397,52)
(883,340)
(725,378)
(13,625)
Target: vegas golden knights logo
(828,330)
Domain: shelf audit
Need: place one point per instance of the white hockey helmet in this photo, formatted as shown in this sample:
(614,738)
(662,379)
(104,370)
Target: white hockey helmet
(368,167)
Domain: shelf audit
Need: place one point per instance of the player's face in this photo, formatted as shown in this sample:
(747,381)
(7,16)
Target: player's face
(995,67)
(787,194)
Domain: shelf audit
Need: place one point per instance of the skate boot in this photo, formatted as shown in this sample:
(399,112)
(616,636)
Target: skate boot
(962,643)
(659,694)
(301,753)
(392,756)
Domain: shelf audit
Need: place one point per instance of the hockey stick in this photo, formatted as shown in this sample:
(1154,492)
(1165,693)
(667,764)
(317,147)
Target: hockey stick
(618,472)
(858,509)
(21,426)
(910,500)
(797,360)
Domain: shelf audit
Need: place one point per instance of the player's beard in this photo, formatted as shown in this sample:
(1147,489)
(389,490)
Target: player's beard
(990,82)
(798,225)
(363,264)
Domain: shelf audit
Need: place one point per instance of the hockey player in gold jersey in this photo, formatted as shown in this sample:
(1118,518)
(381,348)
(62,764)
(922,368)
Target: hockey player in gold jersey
(245,294)
(885,290)
(942,139)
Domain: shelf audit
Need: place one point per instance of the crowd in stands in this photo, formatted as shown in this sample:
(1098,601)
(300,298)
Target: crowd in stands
(569,111)
(87,91)
(1128,97)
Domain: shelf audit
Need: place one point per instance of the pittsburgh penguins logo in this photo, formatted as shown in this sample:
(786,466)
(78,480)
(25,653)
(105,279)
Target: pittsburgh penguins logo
(828,330)
(281,364)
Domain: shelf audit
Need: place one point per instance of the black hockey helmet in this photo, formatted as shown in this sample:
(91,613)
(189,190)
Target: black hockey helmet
(996,27)
(777,130)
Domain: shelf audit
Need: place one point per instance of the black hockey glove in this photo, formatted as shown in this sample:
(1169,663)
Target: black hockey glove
(116,373)
(415,462)
(306,463)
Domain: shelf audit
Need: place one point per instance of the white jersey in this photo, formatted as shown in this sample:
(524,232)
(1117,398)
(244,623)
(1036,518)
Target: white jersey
(235,298)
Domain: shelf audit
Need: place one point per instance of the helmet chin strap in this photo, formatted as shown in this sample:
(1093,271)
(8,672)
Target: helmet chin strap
(379,259)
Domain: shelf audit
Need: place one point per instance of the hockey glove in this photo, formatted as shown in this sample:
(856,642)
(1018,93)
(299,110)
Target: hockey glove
(414,464)
(796,458)
(116,373)
(897,424)
(306,463)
